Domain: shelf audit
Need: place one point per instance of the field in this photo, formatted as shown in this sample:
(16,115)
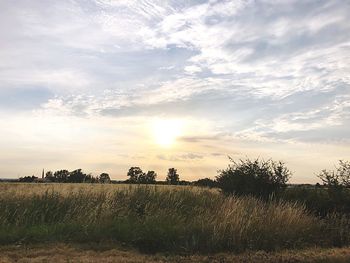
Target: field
(112,253)
(175,220)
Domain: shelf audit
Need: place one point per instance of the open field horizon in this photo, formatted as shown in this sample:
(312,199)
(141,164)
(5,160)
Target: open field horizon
(175,130)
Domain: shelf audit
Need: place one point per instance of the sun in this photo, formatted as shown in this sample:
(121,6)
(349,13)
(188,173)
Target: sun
(165,131)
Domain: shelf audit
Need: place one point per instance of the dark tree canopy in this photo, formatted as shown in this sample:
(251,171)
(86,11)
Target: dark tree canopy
(137,176)
(134,174)
(338,178)
(77,176)
(172,176)
(104,178)
(205,182)
(150,177)
(257,178)
(61,176)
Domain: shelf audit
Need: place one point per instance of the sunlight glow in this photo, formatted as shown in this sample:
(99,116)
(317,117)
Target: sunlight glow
(166,131)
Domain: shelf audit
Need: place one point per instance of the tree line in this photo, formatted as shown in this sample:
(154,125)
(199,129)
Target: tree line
(244,177)
(64,176)
(135,176)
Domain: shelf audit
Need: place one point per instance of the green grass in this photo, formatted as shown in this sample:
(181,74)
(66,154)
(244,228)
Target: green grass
(152,219)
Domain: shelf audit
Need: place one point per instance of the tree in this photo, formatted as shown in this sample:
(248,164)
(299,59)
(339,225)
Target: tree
(77,176)
(257,178)
(49,176)
(337,179)
(61,176)
(135,175)
(172,176)
(104,178)
(150,177)
(207,182)
(28,179)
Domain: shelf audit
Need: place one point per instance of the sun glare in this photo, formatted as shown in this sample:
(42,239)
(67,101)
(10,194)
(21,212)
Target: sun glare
(165,132)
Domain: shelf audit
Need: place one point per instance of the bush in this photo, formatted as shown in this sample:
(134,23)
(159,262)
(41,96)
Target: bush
(256,178)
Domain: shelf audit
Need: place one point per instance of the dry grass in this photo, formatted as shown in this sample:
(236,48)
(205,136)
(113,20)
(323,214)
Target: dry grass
(152,218)
(30,189)
(157,218)
(112,253)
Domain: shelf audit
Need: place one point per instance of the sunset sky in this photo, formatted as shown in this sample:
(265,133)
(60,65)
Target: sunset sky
(104,85)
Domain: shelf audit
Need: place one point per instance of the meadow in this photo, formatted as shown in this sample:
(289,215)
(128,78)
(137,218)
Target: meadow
(161,218)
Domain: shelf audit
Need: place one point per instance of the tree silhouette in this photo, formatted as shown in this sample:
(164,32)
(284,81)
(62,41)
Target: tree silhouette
(135,174)
(61,176)
(49,176)
(104,178)
(77,176)
(258,177)
(336,180)
(150,177)
(172,176)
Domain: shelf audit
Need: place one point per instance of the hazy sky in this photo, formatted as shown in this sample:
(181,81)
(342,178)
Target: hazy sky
(98,84)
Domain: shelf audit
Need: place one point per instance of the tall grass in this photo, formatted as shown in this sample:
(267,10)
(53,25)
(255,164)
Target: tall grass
(153,219)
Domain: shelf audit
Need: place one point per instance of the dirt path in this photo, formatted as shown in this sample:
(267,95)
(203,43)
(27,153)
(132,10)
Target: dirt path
(76,253)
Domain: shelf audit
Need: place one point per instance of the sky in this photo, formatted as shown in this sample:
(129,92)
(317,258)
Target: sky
(104,85)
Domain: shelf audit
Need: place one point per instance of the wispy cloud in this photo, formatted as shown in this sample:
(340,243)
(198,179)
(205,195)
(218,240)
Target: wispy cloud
(262,71)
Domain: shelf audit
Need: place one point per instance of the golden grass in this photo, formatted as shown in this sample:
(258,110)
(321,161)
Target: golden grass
(29,189)
(59,252)
(152,217)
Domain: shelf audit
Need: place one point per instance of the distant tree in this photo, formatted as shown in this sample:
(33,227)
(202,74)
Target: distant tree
(61,176)
(90,179)
(28,179)
(344,172)
(49,176)
(104,178)
(172,176)
(336,179)
(76,176)
(336,182)
(207,182)
(257,178)
(150,177)
(135,174)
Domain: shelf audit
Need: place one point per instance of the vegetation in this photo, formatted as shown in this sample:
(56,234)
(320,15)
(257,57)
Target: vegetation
(111,252)
(257,178)
(161,218)
(172,176)
(248,207)
(64,176)
(137,176)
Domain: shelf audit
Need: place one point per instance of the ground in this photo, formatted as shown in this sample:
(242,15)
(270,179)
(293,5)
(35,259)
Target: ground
(113,253)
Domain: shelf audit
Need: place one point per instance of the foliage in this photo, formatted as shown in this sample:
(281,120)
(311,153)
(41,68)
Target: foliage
(104,178)
(150,177)
(28,179)
(319,200)
(61,176)
(207,182)
(159,218)
(172,176)
(137,176)
(64,176)
(338,178)
(257,178)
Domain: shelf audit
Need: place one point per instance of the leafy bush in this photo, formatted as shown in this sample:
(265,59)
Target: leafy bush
(257,178)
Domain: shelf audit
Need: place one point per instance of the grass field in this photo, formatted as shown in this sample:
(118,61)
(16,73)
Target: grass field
(113,253)
(167,219)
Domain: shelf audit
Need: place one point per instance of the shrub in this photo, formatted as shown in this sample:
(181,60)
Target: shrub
(257,178)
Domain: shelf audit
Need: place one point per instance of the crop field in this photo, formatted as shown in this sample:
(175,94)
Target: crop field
(160,219)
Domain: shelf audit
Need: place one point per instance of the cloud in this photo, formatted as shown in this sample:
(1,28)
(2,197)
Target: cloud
(247,73)
(180,157)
